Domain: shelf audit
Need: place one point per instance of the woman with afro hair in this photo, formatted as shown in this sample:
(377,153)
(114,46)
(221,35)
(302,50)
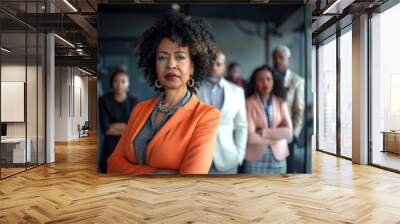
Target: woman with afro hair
(173,132)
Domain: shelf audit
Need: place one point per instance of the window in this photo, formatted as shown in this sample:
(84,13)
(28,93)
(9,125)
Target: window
(385,88)
(327,97)
(346,94)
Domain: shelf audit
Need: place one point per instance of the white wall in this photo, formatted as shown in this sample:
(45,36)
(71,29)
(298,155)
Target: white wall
(12,73)
(16,73)
(61,103)
(70,84)
(79,117)
(33,127)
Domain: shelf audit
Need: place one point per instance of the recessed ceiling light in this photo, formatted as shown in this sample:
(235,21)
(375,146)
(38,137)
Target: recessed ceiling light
(335,5)
(65,41)
(84,71)
(70,5)
(5,50)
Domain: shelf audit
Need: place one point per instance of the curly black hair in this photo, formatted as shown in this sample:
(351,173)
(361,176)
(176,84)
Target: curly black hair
(186,31)
(278,89)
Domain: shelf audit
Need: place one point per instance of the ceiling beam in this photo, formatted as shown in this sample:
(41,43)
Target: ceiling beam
(81,61)
(75,15)
(86,26)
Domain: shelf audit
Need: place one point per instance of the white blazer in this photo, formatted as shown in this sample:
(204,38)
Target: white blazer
(232,131)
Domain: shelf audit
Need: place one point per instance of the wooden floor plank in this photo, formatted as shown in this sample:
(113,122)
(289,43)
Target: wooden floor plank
(70,191)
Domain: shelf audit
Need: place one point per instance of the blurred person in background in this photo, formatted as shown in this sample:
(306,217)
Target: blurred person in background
(234,75)
(269,124)
(294,85)
(115,108)
(232,131)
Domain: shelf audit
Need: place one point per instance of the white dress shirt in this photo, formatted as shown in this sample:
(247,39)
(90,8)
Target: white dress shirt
(214,93)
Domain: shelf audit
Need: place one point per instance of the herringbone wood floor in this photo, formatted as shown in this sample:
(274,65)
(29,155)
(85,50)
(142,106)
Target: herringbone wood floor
(70,191)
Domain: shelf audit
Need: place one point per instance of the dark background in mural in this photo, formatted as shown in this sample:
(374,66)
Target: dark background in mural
(245,33)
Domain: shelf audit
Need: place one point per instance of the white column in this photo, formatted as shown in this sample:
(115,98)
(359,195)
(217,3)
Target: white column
(360,90)
(63,102)
(50,99)
(50,92)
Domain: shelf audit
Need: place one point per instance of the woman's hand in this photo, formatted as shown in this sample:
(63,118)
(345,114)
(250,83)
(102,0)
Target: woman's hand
(264,132)
(119,126)
(260,131)
(166,171)
(116,129)
(278,133)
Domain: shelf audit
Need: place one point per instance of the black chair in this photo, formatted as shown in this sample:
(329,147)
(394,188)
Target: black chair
(84,130)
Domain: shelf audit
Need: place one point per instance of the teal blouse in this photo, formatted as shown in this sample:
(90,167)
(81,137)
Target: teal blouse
(149,129)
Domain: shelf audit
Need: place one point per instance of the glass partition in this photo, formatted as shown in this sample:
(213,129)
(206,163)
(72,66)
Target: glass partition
(22,87)
(14,153)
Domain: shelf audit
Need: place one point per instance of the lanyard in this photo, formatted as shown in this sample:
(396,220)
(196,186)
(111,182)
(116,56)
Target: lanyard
(268,109)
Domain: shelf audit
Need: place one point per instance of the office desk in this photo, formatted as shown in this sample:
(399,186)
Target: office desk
(13,150)
(391,141)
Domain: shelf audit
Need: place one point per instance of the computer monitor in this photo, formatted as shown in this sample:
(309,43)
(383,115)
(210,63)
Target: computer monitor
(3,129)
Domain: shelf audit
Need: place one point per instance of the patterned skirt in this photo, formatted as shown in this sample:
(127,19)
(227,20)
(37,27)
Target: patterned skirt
(266,165)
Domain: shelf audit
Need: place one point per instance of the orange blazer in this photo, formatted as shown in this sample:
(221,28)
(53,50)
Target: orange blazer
(185,143)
